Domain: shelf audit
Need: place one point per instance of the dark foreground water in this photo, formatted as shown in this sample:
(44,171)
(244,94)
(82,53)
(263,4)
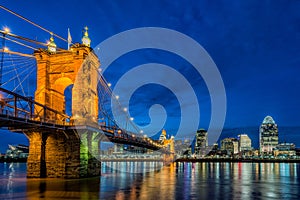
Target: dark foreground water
(181,181)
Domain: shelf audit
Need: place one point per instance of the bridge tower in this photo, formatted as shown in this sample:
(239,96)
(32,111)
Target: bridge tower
(56,70)
(170,143)
(65,153)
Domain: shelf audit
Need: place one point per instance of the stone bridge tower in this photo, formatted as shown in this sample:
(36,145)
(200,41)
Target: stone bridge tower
(56,70)
(69,152)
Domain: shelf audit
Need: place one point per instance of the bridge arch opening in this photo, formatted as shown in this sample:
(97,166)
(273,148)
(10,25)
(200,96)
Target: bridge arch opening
(63,86)
(68,100)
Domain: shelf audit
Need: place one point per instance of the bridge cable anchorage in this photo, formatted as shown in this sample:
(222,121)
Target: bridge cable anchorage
(31,22)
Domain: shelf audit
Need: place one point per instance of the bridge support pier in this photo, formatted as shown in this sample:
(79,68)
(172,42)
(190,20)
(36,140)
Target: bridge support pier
(61,154)
(36,163)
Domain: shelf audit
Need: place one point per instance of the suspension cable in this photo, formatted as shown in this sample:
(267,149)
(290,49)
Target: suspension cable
(31,22)
(20,43)
(16,53)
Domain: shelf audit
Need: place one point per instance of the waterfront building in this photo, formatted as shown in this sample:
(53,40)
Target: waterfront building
(285,150)
(17,151)
(268,135)
(244,143)
(201,141)
(230,145)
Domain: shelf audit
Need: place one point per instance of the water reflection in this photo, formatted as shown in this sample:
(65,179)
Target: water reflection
(177,181)
(57,188)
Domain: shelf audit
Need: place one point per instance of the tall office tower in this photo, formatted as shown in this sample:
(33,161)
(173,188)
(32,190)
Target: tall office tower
(268,135)
(244,143)
(201,141)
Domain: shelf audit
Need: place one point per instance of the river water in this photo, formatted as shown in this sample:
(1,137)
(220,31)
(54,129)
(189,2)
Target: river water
(176,181)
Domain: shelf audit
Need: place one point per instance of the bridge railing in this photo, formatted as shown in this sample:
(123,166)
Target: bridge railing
(18,106)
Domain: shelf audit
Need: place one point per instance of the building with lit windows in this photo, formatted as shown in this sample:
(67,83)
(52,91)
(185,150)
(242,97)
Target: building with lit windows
(285,150)
(201,141)
(268,135)
(17,151)
(244,143)
(230,145)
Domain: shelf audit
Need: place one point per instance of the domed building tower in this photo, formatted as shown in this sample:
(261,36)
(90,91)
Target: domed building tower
(268,135)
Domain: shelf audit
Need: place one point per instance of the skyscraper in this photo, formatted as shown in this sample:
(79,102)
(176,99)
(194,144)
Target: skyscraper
(201,140)
(268,135)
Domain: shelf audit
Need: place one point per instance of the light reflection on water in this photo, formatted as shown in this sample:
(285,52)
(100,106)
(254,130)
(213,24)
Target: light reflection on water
(177,181)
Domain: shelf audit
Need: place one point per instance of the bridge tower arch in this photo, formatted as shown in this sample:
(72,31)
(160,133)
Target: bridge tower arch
(56,71)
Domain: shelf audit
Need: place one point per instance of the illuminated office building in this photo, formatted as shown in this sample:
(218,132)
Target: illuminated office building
(230,145)
(244,143)
(201,140)
(268,135)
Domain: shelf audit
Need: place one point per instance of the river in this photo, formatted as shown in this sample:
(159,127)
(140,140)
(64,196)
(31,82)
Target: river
(176,181)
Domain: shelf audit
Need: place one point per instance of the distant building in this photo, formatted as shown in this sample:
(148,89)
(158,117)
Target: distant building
(244,143)
(285,150)
(268,135)
(230,145)
(187,147)
(17,151)
(201,141)
(182,147)
(118,148)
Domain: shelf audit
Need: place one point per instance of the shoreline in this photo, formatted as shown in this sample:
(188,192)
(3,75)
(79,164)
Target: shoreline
(185,160)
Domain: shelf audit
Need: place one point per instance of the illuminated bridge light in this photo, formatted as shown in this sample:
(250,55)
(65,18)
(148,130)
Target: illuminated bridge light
(6,30)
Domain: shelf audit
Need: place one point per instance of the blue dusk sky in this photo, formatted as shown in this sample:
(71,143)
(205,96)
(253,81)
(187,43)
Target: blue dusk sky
(254,43)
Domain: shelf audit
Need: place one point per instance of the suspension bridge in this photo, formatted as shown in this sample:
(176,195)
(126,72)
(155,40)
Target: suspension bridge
(64,131)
